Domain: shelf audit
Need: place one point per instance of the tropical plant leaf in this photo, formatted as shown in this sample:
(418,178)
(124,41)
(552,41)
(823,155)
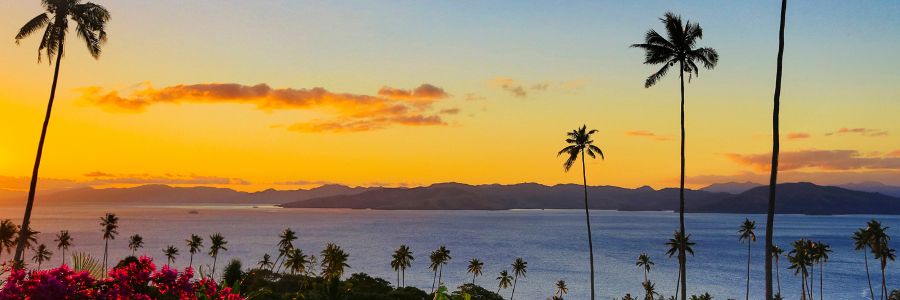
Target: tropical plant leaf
(85,262)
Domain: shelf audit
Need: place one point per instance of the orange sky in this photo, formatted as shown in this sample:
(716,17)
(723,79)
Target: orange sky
(300,95)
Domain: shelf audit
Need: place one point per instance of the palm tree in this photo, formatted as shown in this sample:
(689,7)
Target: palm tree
(820,255)
(862,238)
(747,233)
(776,145)
(285,245)
(445,258)
(776,253)
(217,243)
(91,21)
(561,288)
(63,242)
(520,267)
(402,258)
(435,258)
(644,262)
(41,254)
(881,250)
(195,243)
(170,253)
(135,242)
(800,261)
(334,261)
(266,261)
(676,244)
(475,268)
(505,280)
(8,232)
(580,143)
(679,49)
(110,227)
(296,261)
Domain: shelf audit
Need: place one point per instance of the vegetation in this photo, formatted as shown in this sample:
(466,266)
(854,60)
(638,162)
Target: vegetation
(679,49)
(580,143)
(63,242)
(110,227)
(747,233)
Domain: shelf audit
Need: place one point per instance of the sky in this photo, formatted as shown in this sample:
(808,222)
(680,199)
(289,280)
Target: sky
(253,95)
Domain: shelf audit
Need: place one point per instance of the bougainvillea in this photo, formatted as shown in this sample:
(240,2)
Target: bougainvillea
(136,279)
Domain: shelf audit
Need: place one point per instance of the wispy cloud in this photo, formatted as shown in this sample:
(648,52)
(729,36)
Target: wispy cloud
(646,134)
(391,106)
(510,85)
(522,90)
(798,135)
(859,131)
(818,159)
(474,97)
(895,153)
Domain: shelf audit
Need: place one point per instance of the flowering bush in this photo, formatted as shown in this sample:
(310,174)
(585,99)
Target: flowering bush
(130,280)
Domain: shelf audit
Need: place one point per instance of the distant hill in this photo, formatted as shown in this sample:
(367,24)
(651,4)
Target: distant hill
(794,198)
(164,194)
(874,187)
(730,187)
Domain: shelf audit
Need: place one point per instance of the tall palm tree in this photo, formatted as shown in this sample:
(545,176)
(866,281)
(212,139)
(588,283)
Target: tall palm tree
(110,227)
(676,244)
(266,261)
(776,253)
(776,145)
(580,143)
(679,49)
(170,253)
(217,243)
(8,232)
(881,250)
(135,242)
(285,245)
(296,261)
(644,262)
(63,242)
(404,257)
(195,243)
(41,254)
(90,20)
(334,261)
(505,280)
(747,233)
(475,268)
(520,268)
(29,236)
(396,262)
(820,256)
(561,288)
(435,262)
(800,261)
(443,256)
(862,238)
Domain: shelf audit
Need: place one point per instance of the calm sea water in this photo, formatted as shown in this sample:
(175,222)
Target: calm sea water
(551,241)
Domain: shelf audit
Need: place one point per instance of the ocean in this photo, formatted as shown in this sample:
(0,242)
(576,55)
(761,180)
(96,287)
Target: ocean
(553,242)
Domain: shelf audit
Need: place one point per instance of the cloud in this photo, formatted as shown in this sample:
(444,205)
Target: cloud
(510,85)
(818,159)
(449,111)
(859,131)
(98,174)
(474,97)
(367,124)
(391,106)
(646,134)
(304,182)
(797,135)
(895,153)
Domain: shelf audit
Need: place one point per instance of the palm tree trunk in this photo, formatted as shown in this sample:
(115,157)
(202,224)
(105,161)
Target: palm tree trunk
(821,280)
(803,288)
(678,284)
(868,276)
(778,275)
(812,280)
(191,262)
(64,256)
(404,276)
(748,269)
(214,266)
(26,220)
(105,254)
(776,144)
(681,255)
(441,274)
(587,216)
(398,278)
(434,281)
(515,280)
(883,280)
(473,279)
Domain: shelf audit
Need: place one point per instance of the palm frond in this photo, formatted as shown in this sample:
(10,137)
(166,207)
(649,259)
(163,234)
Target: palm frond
(570,161)
(32,26)
(655,77)
(674,29)
(82,261)
(708,57)
(596,150)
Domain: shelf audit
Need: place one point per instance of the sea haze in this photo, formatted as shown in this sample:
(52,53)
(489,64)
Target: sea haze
(552,241)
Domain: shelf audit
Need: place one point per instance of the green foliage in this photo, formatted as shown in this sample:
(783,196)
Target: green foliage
(895,295)
(85,262)
(441,294)
(476,292)
(232,273)
(704,296)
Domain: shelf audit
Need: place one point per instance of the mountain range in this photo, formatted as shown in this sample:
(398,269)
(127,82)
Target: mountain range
(793,198)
